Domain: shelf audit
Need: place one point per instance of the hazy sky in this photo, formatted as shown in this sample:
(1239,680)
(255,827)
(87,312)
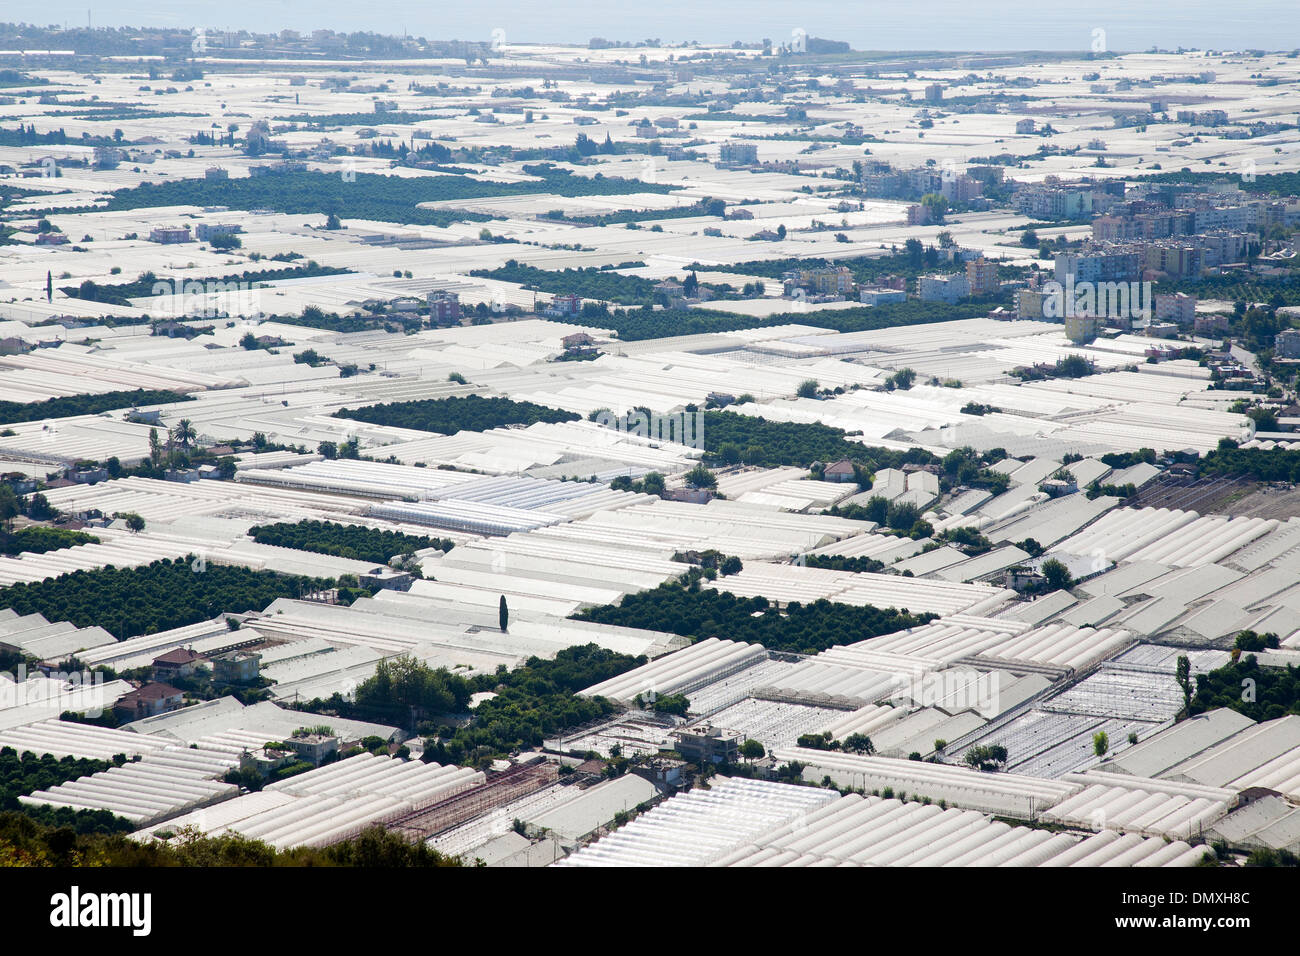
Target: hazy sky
(866,24)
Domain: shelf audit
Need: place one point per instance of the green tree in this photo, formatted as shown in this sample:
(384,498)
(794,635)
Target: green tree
(184,432)
(752,750)
(701,477)
(8,506)
(1056,575)
(503,614)
(133,521)
(859,744)
(807,388)
(1183,675)
(1100,743)
(938,205)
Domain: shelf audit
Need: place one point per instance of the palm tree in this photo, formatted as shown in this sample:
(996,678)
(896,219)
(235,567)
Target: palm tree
(184,432)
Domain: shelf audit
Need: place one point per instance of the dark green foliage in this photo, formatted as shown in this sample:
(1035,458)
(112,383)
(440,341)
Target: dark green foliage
(701,477)
(587,283)
(368,196)
(838,562)
(157,597)
(122,293)
(876,508)
(1030,547)
(39,540)
(27,136)
(701,613)
(344,540)
(402,691)
(533,702)
(1271,464)
(752,750)
(1267,856)
(78,821)
(1056,576)
(1264,184)
(70,405)
(86,839)
(965,466)
(967,539)
(449,415)
(651,484)
(1275,690)
(1073,366)
(1250,641)
(27,773)
(1127,459)
(636,324)
(866,269)
(676,704)
(986,758)
(771,444)
(1127,490)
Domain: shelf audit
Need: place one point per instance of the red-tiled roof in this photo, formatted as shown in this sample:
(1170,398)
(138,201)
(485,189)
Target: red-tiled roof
(178,655)
(154,691)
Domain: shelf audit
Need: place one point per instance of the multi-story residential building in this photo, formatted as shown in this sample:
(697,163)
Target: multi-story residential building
(824,281)
(1286,344)
(1223,246)
(1173,258)
(1211,323)
(1055,201)
(982,276)
(1177,307)
(107,157)
(1032,304)
(942,288)
(961,188)
(1081,329)
(739,154)
(204,231)
(934,93)
(1146,225)
(1203,117)
(1240,218)
(924,179)
(918,215)
(1101,264)
(444,307)
(874,295)
(564,306)
(169,235)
